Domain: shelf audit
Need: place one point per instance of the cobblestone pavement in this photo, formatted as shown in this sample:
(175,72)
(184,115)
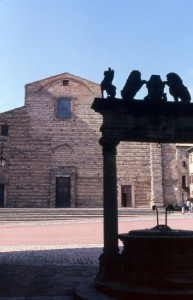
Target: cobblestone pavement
(47,255)
(45,271)
(50,271)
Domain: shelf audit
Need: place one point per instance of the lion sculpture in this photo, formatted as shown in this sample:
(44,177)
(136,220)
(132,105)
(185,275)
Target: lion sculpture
(177,88)
(132,85)
(106,84)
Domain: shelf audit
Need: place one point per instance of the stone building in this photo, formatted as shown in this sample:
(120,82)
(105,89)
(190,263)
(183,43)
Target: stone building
(184,167)
(190,155)
(53,158)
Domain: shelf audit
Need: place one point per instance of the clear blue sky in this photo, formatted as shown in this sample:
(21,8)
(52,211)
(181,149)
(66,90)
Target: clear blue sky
(41,38)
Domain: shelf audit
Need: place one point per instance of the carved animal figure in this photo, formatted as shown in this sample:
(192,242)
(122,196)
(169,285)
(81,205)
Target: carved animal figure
(176,88)
(132,85)
(106,84)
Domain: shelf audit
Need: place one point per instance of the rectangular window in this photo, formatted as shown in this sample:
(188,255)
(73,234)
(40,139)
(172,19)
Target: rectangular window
(184,164)
(184,183)
(65,82)
(64,108)
(4,130)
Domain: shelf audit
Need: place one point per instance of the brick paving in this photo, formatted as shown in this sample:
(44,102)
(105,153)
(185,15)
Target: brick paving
(33,267)
(46,255)
(46,270)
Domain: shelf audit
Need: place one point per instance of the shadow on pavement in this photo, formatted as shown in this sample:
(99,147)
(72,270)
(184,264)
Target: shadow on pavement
(52,272)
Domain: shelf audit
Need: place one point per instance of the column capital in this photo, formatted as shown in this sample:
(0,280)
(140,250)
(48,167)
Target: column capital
(108,142)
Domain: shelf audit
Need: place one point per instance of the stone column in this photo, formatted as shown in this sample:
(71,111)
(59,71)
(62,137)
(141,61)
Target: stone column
(110,199)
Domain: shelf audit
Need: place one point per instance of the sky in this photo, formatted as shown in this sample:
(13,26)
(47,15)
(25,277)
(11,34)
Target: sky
(43,38)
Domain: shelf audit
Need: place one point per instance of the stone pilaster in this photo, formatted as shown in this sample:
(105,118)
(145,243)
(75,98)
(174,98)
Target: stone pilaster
(156,196)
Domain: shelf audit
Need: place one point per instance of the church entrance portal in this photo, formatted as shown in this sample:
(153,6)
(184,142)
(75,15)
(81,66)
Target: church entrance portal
(2,195)
(63,186)
(126,196)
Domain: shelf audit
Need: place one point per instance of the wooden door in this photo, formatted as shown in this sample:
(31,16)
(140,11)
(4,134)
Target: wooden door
(126,196)
(2,194)
(63,185)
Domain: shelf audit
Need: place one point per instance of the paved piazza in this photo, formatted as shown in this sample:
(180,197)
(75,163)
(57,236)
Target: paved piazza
(48,255)
(49,259)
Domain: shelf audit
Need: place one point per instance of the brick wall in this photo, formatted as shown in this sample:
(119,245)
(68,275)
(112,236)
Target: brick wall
(41,147)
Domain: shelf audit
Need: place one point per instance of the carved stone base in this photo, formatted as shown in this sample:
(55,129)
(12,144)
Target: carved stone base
(124,291)
(109,267)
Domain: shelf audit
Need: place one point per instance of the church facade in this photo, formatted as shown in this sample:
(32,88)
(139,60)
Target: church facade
(54,159)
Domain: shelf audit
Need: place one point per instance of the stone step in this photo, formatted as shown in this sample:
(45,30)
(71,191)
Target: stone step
(44,214)
(73,210)
(37,298)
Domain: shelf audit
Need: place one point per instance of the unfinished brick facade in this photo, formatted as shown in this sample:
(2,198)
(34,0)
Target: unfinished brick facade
(53,158)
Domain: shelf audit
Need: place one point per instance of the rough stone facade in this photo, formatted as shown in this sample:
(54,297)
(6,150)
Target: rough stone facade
(52,153)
